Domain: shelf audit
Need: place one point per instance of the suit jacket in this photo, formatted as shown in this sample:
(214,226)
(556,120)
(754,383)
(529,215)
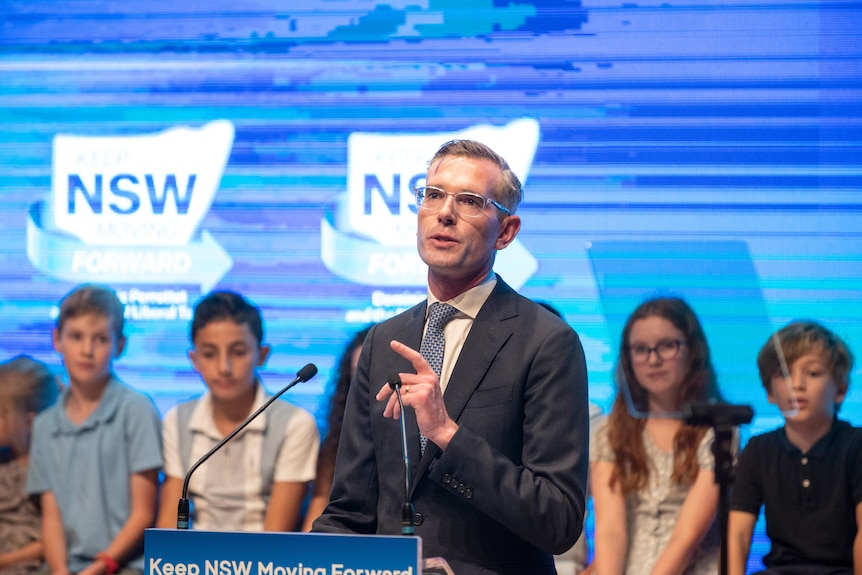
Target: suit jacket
(509,490)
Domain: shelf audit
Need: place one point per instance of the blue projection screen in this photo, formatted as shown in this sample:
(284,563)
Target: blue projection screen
(709,149)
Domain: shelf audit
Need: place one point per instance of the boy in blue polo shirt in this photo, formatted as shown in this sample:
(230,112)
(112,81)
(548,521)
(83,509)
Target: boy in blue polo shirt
(807,475)
(96,453)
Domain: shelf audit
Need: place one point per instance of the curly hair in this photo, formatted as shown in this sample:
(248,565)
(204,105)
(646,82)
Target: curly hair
(337,402)
(625,431)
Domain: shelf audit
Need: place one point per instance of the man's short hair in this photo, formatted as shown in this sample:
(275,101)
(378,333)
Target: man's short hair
(227,305)
(800,338)
(92,299)
(510,193)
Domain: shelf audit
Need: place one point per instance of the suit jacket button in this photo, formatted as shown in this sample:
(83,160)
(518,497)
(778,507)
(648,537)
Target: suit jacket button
(418,519)
(468,494)
(462,488)
(447,478)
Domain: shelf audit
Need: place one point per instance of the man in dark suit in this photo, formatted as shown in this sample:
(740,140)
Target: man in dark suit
(500,485)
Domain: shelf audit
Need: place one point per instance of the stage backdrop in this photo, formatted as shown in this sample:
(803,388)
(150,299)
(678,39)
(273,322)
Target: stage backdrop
(707,149)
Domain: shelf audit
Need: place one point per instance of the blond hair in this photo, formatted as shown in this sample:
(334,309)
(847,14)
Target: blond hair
(800,338)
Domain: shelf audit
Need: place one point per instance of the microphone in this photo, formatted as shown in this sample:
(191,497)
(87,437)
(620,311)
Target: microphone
(183,508)
(716,413)
(408,525)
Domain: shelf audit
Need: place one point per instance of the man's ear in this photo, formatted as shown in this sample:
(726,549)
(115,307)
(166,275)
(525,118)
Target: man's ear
(509,228)
(263,354)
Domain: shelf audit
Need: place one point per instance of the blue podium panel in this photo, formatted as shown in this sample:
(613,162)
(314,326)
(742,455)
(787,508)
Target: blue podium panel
(177,552)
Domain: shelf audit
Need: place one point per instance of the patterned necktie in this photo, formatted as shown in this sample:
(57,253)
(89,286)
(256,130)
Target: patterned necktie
(433,343)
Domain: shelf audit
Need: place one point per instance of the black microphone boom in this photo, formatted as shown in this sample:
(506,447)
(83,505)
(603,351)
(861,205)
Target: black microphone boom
(183,509)
(723,417)
(408,524)
(394,381)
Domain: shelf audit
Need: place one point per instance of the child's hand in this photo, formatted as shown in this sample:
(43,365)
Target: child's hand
(95,568)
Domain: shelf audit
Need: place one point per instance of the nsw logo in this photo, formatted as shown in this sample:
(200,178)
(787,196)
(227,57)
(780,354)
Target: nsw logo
(125,209)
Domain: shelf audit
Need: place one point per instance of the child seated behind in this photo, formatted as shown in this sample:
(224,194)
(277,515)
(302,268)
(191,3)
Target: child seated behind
(652,478)
(329,447)
(96,453)
(257,481)
(807,475)
(27,387)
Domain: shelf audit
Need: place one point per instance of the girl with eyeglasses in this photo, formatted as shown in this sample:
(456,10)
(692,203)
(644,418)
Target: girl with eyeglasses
(651,475)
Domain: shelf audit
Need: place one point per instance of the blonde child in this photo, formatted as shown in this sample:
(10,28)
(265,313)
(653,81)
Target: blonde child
(96,453)
(807,475)
(26,388)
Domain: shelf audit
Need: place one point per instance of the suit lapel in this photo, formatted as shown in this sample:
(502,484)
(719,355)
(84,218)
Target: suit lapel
(486,338)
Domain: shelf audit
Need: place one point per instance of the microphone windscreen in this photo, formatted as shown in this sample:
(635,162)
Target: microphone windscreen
(394,380)
(307,372)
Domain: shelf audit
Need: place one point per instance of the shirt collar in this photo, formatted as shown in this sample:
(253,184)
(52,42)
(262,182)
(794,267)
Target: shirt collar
(108,406)
(471,301)
(202,421)
(823,445)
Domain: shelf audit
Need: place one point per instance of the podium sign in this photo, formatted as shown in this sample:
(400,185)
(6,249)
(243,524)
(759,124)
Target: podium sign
(179,552)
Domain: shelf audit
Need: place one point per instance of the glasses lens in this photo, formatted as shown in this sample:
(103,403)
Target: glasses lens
(667,349)
(466,204)
(470,205)
(428,199)
(639,353)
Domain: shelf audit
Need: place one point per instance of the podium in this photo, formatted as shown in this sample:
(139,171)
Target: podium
(180,552)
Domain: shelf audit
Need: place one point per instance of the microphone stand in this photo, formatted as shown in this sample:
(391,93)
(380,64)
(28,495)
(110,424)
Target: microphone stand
(430,565)
(722,417)
(408,523)
(184,508)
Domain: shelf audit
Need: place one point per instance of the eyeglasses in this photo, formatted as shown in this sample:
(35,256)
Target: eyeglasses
(666,350)
(467,204)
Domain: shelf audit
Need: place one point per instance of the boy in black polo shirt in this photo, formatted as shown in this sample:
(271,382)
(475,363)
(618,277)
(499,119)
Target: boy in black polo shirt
(808,474)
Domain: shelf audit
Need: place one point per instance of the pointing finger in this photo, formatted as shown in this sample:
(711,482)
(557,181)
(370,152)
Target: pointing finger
(414,357)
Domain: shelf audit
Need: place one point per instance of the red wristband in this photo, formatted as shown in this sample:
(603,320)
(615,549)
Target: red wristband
(111,565)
